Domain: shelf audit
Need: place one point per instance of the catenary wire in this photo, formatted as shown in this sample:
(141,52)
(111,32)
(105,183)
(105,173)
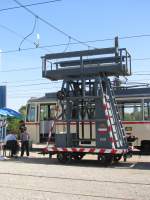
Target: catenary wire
(37,68)
(37,84)
(76,43)
(20,36)
(51,25)
(28,5)
(56,82)
(28,85)
(14,32)
(26,37)
(22,69)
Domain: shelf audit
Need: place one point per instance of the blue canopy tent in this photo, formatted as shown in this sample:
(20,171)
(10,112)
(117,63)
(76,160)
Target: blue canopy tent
(10,113)
(4,114)
(3,118)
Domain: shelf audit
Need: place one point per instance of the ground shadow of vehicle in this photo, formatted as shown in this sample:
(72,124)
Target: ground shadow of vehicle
(137,162)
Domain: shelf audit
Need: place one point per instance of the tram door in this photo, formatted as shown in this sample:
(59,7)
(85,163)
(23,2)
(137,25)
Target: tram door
(47,114)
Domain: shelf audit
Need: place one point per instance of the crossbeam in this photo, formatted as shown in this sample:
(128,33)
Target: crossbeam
(72,54)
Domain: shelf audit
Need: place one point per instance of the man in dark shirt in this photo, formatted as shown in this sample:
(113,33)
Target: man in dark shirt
(24,137)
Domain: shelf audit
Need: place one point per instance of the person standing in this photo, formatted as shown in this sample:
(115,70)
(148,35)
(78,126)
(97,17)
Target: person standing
(21,125)
(11,143)
(24,137)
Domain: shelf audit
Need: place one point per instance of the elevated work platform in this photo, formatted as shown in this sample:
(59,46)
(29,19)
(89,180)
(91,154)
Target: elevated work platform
(88,63)
(89,120)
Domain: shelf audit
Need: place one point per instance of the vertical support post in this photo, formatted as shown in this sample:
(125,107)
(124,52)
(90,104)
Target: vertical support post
(148,109)
(44,66)
(101,139)
(68,114)
(116,48)
(83,95)
(142,107)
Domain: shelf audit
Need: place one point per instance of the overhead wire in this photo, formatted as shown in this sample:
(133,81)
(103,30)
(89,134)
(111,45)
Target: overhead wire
(20,69)
(14,32)
(70,37)
(44,90)
(67,45)
(134,36)
(56,28)
(49,83)
(79,42)
(24,69)
(74,43)
(34,84)
(32,92)
(28,5)
(50,24)
(32,89)
(20,36)
(33,29)
(31,80)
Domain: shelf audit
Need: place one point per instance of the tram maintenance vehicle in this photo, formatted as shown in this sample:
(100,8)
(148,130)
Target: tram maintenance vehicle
(87,120)
(133,105)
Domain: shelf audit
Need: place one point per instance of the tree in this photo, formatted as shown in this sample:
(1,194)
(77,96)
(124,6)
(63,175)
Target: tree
(14,123)
(22,110)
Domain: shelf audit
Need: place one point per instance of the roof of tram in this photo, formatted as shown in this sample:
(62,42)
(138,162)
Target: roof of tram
(132,92)
(120,92)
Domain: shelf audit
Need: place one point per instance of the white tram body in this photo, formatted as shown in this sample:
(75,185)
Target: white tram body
(39,113)
(134,109)
(133,106)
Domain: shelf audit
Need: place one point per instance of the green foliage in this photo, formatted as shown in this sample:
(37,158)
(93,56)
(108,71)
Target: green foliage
(135,116)
(13,123)
(22,110)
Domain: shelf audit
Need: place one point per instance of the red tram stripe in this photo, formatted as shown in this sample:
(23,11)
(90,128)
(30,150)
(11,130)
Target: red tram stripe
(102,151)
(113,151)
(65,149)
(92,150)
(141,122)
(74,149)
(81,150)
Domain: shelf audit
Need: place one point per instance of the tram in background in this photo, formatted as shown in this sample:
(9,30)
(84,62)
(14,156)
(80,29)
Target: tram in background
(133,106)
(40,111)
(134,109)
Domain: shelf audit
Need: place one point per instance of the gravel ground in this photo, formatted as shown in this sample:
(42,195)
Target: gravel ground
(39,178)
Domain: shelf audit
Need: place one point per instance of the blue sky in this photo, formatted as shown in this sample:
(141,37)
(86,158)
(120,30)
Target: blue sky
(83,19)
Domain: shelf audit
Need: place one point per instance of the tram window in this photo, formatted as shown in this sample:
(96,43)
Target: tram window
(47,112)
(44,112)
(131,111)
(121,111)
(147,109)
(30,113)
(52,111)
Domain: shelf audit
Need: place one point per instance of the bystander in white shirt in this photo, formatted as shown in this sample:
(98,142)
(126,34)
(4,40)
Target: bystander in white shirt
(10,137)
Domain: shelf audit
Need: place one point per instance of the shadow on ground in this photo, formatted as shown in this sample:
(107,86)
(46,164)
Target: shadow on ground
(141,165)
